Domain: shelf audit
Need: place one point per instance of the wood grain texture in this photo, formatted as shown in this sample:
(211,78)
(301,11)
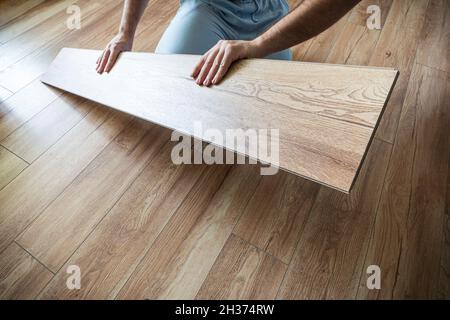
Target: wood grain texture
(123,238)
(95,32)
(408,232)
(323,138)
(242,272)
(22,200)
(21,276)
(433,50)
(32,18)
(329,256)
(443,291)
(19,108)
(35,136)
(10,166)
(359,14)
(53,237)
(13,8)
(275,216)
(147,280)
(397,47)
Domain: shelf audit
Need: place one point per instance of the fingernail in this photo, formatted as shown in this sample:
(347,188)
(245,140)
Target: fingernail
(206,82)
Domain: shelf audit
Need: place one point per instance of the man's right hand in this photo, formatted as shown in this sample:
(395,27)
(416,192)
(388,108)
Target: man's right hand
(118,44)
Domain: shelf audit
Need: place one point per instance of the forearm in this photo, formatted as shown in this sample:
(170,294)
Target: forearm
(309,19)
(132,13)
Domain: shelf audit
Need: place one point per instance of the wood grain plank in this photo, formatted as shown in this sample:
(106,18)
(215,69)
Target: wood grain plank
(21,276)
(243,272)
(111,253)
(53,237)
(10,166)
(408,232)
(145,281)
(275,216)
(316,141)
(396,48)
(328,260)
(32,18)
(13,8)
(22,200)
(436,35)
(35,136)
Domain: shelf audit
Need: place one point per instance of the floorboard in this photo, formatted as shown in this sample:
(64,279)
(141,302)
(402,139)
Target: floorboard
(243,272)
(407,237)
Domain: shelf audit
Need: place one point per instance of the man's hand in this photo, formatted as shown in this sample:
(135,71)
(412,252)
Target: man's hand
(118,44)
(215,63)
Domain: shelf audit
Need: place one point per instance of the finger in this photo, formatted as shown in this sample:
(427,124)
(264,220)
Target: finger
(215,67)
(206,67)
(112,60)
(199,65)
(101,66)
(223,68)
(99,59)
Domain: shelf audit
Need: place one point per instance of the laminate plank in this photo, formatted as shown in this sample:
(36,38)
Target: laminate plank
(13,8)
(53,237)
(22,200)
(38,134)
(275,216)
(316,141)
(243,272)
(10,166)
(408,232)
(32,18)
(329,256)
(436,35)
(111,253)
(396,48)
(21,276)
(151,272)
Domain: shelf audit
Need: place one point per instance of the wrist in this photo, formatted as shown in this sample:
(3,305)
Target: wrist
(258,48)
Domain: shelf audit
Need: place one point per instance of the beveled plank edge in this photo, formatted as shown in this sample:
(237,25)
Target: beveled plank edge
(374,131)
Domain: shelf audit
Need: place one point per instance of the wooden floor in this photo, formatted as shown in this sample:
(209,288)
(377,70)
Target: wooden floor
(83,185)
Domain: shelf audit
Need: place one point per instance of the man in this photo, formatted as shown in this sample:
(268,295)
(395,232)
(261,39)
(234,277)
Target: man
(224,31)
